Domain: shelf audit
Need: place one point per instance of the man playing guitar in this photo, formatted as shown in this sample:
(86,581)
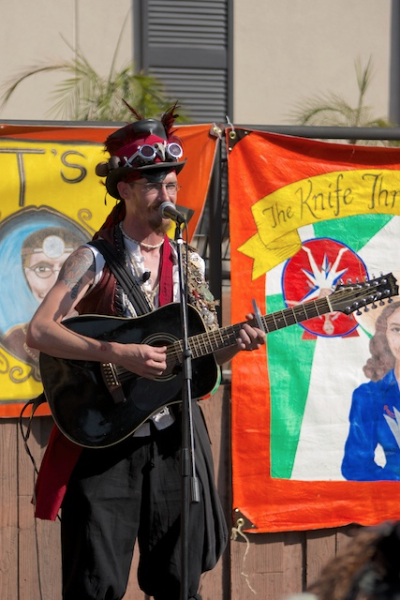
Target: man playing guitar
(111,496)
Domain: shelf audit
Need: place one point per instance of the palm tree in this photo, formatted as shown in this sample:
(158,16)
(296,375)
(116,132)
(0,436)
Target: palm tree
(87,96)
(332,110)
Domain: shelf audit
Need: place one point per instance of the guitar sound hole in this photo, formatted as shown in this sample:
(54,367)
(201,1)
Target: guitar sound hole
(172,370)
(174,367)
(159,339)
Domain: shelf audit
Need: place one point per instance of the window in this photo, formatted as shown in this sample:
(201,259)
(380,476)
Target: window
(187,46)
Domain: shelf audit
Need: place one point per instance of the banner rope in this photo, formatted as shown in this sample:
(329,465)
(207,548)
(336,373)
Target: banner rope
(238,531)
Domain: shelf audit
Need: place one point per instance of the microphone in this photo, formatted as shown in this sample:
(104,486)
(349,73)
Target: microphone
(169,211)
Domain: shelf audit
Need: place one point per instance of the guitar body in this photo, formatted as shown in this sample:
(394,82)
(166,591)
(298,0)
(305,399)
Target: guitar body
(80,401)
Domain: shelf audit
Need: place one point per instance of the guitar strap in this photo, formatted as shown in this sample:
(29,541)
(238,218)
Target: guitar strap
(130,286)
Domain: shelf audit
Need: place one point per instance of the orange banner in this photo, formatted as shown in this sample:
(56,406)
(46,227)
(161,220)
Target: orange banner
(315,414)
(49,188)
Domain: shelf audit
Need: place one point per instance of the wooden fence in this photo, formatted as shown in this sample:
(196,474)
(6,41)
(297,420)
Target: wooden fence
(265,566)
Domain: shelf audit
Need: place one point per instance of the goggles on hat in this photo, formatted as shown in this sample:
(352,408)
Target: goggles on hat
(147,153)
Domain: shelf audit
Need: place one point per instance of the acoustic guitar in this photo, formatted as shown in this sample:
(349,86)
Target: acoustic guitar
(100,404)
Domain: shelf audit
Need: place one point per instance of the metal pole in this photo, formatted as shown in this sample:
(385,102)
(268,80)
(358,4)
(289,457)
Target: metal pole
(215,222)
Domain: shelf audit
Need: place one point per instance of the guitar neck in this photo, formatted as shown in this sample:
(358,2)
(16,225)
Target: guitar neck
(207,343)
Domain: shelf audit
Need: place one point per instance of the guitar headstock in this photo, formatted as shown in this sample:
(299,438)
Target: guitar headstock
(351,297)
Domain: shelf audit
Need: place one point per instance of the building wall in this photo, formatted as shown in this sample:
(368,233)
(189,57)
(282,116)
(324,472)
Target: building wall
(284,51)
(48,32)
(288,50)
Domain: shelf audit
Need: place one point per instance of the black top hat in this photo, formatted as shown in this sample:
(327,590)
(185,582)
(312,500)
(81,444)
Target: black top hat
(147,148)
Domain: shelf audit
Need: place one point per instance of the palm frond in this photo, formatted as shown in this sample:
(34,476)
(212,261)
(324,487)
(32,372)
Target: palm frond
(11,84)
(364,75)
(86,95)
(332,110)
(321,110)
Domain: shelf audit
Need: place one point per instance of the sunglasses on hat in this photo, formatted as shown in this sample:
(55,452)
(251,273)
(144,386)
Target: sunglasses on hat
(148,152)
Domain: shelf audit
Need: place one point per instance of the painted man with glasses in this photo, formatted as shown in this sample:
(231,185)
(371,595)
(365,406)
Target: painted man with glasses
(42,255)
(131,490)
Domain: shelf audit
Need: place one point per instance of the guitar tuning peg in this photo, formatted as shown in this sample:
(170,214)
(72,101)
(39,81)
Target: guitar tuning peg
(358,312)
(366,309)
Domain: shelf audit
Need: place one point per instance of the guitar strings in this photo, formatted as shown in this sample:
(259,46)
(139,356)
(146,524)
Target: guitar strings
(209,341)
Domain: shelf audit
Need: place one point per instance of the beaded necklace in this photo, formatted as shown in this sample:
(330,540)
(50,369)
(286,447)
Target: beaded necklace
(143,244)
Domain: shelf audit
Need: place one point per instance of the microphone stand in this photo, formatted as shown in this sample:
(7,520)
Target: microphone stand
(190,485)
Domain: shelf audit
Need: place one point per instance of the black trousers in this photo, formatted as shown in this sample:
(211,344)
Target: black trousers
(133,491)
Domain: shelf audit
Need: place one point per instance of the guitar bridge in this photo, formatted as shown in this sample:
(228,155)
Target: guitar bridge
(110,378)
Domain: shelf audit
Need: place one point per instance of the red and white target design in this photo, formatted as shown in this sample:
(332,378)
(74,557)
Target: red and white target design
(313,272)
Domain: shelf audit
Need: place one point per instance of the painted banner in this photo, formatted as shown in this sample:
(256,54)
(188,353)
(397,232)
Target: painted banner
(51,201)
(315,413)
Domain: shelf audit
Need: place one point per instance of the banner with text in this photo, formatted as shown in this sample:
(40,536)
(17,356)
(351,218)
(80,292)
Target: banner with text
(51,201)
(315,414)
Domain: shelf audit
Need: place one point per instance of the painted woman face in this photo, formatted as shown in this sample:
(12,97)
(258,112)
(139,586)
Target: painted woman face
(393,333)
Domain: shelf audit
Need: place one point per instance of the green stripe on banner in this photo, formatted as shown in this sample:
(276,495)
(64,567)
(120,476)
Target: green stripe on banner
(289,367)
(354,231)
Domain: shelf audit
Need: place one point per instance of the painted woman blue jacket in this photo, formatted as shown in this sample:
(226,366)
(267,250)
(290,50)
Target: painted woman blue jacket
(374,419)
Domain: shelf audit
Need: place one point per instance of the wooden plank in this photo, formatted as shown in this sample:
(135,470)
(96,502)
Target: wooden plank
(216,410)
(49,559)
(243,586)
(344,536)
(26,469)
(8,511)
(268,564)
(29,572)
(48,532)
(257,566)
(321,547)
(29,579)
(294,563)
(40,554)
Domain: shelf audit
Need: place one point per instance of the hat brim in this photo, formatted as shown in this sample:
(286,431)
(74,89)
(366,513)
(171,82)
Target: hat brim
(116,175)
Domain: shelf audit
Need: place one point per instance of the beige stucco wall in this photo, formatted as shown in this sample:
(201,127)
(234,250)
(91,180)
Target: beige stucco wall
(284,50)
(288,50)
(33,32)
